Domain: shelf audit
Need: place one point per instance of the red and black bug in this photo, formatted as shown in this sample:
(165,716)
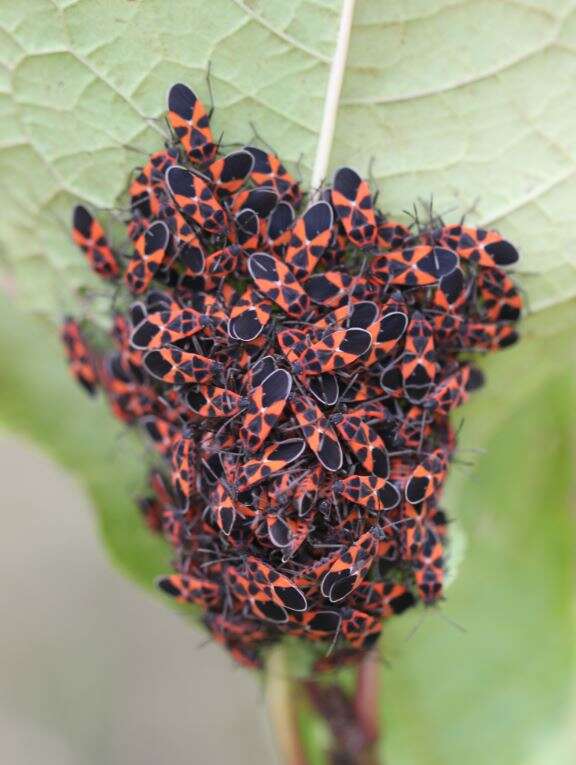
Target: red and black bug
(191,123)
(273,459)
(310,236)
(417,266)
(279,229)
(375,494)
(195,199)
(148,193)
(427,477)
(191,589)
(352,202)
(419,363)
(364,442)
(269,171)
(284,592)
(361,630)
(175,366)
(501,300)
(477,245)
(228,174)
(350,567)
(80,359)
(336,349)
(275,280)
(329,289)
(212,401)
(317,431)
(249,315)
(163,328)
(265,405)
(88,234)
(149,252)
(182,468)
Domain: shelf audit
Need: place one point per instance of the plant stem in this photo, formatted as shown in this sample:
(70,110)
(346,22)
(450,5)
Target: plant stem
(332,99)
(281,702)
(350,718)
(366,697)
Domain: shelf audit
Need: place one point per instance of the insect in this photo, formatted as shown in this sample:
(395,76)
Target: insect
(161,432)
(500,298)
(191,123)
(306,490)
(383,599)
(260,200)
(212,401)
(477,245)
(361,630)
(279,230)
(419,363)
(256,595)
(80,359)
(364,442)
(269,171)
(175,366)
(329,288)
(392,235)
(325,388)
(88,234)
(265,405)
(428,563)
(336,349)
(220,264)
(352,202)
(317,431)
(273,459)
(276,282)
(228,174)
(284,591)
(310,236)
(362,314)
(249,315)
(190,589)
(452,391)
(189,249)
(350,567)
(315,624)
(183,472)
(485,335)
(149,252)
(427,477)
(147,191)
(386,334)
(163,328)
(416,266)
(224,508)
(195,199)
(292,343)
(375,494)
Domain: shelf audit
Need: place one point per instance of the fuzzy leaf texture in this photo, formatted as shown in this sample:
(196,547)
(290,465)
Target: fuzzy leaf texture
(471,103)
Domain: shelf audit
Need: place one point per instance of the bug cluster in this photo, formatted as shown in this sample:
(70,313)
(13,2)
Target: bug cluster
(295,368)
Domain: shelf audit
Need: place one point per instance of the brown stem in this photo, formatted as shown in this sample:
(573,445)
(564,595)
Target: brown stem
(366,698)
(352,720)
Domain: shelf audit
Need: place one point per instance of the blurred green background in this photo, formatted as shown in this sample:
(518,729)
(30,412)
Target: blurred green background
(94,672)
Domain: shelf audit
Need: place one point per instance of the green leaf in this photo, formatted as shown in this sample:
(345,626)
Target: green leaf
(463,102)
(508,679)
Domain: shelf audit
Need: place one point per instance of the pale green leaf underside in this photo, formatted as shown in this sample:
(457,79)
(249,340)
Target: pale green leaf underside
(464,102)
